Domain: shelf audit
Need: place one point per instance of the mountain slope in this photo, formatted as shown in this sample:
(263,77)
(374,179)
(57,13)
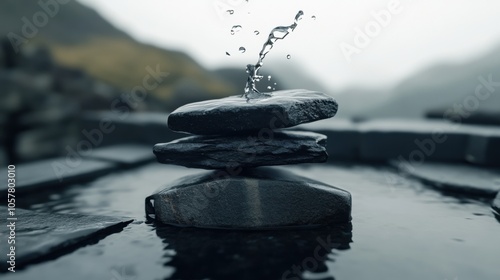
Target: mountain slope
(442,86)
(79,37)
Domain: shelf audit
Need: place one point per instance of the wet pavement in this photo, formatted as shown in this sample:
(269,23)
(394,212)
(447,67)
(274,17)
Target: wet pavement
(400,229)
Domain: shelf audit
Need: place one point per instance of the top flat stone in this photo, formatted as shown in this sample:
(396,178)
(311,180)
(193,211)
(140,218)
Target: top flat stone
(285,108)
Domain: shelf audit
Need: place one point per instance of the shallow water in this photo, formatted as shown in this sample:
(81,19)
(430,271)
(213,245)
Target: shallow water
(400,230)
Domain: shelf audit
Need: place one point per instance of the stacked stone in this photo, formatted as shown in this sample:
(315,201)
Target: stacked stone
(233,136)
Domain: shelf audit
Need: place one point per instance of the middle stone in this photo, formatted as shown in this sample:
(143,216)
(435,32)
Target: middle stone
(222,152)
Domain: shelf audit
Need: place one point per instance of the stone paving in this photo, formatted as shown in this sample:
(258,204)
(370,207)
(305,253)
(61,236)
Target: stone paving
(383,197)
(448,236)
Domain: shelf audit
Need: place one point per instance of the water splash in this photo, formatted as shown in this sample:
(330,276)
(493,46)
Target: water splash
(230,12)
(313,17)
(242,49)
(256,32)
(288,56)
(235,28)
(278,33)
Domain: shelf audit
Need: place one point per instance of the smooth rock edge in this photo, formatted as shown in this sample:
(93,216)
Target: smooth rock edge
(234,114)
(263,198)
(219,152)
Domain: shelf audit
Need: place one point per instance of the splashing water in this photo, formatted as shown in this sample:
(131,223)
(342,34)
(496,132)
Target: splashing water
(278,33)
(230,12)
(235,29)
(313,17)
(288,56)
(256,32)
(242,49)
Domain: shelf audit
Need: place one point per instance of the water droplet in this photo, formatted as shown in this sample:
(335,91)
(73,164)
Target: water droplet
(230,12)
(269,77)
(268,87)
(288,56)
(313,17)
(235,29)
(274,88)
(256,32)
(242,49)
(228,54)
(274,83)
(299,15)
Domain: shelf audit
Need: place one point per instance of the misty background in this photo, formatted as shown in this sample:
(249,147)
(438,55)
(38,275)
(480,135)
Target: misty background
(85,56)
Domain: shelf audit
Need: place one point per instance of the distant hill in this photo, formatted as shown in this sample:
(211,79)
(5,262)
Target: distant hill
(293,76)
(79,37)
(440,87)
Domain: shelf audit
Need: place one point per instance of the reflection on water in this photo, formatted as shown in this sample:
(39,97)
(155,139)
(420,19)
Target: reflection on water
(222,254)
(402,231)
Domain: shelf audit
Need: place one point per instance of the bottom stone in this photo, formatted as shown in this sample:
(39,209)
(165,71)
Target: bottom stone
(252,199)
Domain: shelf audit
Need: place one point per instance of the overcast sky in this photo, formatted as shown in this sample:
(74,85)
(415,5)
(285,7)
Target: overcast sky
(418,33)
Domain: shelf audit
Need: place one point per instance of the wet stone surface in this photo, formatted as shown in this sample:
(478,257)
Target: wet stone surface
(382,140)
(457,178)
(254,199)
(343,138)
(395,224)
(124,155)
(234,114)
(484,146)
(55,172)
(39,236)
(221,152)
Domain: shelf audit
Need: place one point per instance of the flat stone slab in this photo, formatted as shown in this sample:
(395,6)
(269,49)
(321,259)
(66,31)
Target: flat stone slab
(252,199)
(285,108)
(126,155)
(484,146)
(146,128)
(219,152)
(457,178)
(383,140)
(55,172)
(343,138)
(44,236)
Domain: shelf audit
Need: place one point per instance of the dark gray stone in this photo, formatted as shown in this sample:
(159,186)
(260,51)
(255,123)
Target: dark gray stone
(219,152)
(343,138)
(43,236)
(252,199)
(234,114)
(126,155)
(484,146)
(496,205)
(456,178)
(131,127)
(407,140)
(54,172)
